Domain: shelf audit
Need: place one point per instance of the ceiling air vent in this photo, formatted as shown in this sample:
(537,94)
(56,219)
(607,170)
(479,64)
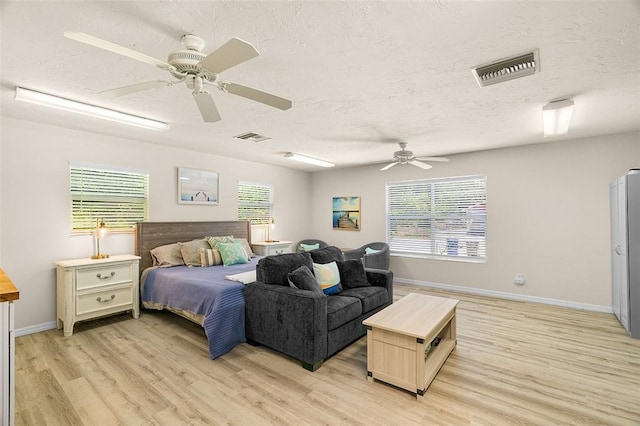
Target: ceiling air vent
(507,69)
(252,137)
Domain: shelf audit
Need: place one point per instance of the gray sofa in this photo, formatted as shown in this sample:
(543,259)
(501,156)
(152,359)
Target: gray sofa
(310,326)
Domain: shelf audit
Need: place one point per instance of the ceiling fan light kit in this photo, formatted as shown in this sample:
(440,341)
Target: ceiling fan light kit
(195,69)
(309,160)
(51,101)
(556,117)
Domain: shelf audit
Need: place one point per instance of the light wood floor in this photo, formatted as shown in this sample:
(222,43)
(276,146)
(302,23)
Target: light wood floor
(515,364)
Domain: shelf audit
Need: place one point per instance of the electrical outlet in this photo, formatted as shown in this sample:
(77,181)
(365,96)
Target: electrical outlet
(519,278)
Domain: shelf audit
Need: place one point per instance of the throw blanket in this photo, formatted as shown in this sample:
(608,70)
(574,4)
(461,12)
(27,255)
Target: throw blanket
(203,292)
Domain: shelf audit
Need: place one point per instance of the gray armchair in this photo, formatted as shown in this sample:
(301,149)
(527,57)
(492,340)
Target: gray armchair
(378,260)
(310,242)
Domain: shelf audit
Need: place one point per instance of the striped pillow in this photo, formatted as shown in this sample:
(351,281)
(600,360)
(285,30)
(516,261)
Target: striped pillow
(210,257)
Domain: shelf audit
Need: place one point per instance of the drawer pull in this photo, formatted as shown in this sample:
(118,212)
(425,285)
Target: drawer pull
(99,299)
(99,275)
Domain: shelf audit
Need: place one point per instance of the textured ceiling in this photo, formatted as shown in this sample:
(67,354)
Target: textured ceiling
(360,74)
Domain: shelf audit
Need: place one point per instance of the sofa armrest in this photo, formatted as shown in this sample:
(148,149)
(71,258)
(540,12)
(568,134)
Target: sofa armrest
(381,278)
(289,320)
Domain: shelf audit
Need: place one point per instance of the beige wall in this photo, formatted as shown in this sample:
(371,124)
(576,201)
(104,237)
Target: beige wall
(547,217)
(35,212)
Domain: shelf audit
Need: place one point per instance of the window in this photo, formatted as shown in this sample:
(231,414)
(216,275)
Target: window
(255,202)
(443,218)
(117,196)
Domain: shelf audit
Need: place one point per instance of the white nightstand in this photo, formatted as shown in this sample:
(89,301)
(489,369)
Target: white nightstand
(89,288)
(270,248)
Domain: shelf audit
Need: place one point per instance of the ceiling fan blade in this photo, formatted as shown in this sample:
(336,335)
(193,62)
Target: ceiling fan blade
(434,159)
(207,106)
(256,95)
(388,166)
(420,164)
(133,88)
(230,54)
(115,48)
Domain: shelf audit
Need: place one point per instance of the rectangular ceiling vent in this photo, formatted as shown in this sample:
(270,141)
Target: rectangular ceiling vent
(507,69)
(252,137)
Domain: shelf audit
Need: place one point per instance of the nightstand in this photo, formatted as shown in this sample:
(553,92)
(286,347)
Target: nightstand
(270,248)
(89,288)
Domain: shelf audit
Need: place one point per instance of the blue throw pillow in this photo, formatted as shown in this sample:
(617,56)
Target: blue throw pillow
(328,277)
(232,253)
(309,247)
(369,250)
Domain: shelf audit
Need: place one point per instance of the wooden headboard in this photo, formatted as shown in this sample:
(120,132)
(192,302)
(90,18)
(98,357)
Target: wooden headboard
(150,235)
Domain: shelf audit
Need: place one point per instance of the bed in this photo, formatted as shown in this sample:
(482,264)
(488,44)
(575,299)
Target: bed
(208,296)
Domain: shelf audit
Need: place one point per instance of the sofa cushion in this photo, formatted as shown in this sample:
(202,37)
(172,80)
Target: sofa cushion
(371,297)
(326,254)
(275,269)
(328,277)
(352,274)
(342,309)
(304,279)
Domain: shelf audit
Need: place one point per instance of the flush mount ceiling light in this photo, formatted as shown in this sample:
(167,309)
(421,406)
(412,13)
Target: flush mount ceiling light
(56,102)
(556,116)
(308,160)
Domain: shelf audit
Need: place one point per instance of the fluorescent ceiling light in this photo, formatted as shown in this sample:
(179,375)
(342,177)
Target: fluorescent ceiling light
(51,101)
(308,160)
(556,117)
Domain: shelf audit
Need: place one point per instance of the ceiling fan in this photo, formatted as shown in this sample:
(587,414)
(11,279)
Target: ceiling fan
(406,157)
(195,69)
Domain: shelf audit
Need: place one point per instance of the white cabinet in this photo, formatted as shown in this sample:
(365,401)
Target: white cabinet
(89,288)
(270,248)
(8,294)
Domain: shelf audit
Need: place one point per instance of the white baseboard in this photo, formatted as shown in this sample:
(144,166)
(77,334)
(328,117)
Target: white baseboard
(510,296)
(35,329)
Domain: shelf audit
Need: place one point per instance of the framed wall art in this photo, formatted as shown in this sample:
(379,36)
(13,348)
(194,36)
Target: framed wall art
(346,213)
(197,187)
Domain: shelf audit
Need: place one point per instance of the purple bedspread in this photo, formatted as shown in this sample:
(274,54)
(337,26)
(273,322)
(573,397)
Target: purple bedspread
(203,291)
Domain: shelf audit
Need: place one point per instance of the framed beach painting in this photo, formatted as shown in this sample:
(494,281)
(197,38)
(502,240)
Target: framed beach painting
(197,187)
(346,213)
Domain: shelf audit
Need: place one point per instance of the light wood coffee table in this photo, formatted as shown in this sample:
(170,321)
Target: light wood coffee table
(401,341)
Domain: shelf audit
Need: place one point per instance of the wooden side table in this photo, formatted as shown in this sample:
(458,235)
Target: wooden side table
(89,288)
(409,341)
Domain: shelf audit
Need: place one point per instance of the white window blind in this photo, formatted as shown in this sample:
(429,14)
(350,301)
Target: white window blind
(255,202)
(438,217)
(117,196)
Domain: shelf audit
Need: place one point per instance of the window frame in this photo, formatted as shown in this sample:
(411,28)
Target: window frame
(120,205)
(454,227)
(256,219)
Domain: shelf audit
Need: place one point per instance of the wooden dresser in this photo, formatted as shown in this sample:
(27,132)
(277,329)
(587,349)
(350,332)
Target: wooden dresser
(89,288)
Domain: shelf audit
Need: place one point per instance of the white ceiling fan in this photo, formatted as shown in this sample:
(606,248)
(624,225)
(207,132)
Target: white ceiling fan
(406,157)
(195,69)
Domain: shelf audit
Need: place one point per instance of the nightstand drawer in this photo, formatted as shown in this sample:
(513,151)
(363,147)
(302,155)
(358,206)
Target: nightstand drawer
(103,275)
(104,300)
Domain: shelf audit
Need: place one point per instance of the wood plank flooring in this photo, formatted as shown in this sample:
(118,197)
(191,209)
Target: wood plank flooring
(516,363)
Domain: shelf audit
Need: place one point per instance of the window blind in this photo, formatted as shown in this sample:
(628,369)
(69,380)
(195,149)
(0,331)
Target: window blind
(255,202)
(117,196)
(438,217)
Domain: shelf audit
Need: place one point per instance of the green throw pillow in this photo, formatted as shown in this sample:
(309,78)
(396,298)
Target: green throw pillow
(232,253)
(369,250)
(328,277)
(309,247)
(214,241)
